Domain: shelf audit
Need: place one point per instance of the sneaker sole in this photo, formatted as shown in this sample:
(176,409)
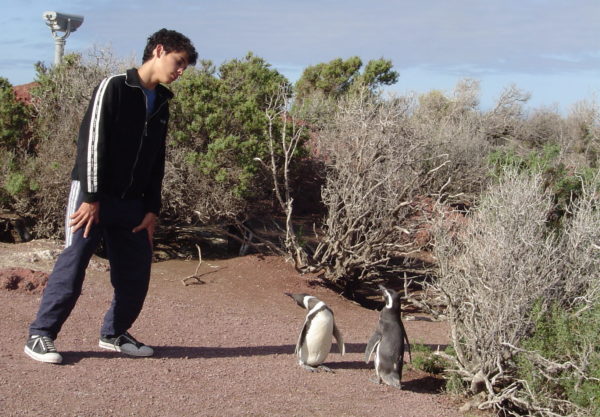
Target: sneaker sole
(110,346)
(43,357)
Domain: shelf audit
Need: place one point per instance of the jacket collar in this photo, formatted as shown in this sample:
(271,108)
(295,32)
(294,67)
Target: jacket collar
(132,79)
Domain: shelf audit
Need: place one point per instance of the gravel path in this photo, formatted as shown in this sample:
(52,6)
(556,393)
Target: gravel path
(224,347)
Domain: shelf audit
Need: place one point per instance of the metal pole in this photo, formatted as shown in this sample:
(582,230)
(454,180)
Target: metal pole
(59,49)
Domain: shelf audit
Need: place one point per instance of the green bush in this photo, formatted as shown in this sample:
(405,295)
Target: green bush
(569,343)
(219,116)
(219,128)
(14,118)
(16,183)
(15,139)
(538,160)
(335,78)
(423,358)
(565,183)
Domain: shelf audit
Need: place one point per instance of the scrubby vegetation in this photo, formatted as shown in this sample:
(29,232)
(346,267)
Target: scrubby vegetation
(218,129)
(14,141)
(503,274)
(505,199)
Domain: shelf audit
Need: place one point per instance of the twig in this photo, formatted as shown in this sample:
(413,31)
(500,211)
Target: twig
(195,276)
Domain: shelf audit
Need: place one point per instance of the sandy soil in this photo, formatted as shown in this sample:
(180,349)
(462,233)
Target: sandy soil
(224,347)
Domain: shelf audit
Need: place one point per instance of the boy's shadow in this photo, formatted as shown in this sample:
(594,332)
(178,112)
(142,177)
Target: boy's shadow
(190,352)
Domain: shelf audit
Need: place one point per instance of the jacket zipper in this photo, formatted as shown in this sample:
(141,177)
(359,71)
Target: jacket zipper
(144,134)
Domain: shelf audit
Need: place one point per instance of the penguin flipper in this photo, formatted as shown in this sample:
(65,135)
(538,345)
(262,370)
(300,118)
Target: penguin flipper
(302,336)
(406,340)
(372,345)
(339,338)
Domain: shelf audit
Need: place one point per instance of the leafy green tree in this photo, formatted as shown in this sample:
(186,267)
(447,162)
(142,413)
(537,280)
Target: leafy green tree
(336,77)
(14,117)
(378,72)
(196,110)
(15,135)
(218,120)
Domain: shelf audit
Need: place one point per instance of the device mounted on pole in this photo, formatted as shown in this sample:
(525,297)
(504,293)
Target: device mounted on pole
(61,22)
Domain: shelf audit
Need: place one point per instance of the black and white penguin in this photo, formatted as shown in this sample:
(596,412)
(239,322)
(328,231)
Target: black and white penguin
(314,342)
(388,341)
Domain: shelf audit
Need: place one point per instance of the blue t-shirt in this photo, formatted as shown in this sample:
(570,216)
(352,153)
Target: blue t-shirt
(150,100)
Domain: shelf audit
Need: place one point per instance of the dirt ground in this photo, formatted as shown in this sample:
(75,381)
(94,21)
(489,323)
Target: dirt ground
(224,346)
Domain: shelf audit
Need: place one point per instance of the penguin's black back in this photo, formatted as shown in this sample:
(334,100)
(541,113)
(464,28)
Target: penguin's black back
(392,330)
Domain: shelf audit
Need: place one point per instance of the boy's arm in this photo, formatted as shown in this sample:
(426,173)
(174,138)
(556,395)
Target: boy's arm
(93,136)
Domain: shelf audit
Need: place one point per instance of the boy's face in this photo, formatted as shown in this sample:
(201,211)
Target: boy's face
(170,65)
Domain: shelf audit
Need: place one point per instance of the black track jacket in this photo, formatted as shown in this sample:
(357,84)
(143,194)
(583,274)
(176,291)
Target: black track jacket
(120,150)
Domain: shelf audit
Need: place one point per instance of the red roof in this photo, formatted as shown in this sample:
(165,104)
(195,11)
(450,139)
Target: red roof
(22,92)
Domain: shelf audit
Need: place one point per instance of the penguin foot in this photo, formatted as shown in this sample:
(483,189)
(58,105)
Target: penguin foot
(392,382)
(326,369)
(375,380)
(316,368)
(310,368)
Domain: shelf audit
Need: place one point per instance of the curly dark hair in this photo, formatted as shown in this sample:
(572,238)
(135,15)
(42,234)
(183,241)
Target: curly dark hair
(171,41)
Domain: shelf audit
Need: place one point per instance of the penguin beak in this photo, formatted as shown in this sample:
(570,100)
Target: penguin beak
(296,297)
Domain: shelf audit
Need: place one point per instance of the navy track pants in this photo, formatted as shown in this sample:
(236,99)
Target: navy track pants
(130,257)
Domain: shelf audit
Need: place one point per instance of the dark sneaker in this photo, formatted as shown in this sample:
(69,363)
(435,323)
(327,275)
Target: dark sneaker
(41,348)
(127,344)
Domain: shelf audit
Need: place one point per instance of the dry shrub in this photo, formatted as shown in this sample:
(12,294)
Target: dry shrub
(189,195)
(543,126)
(502,123)
(374,170)
(581,247)
(455,127)
(583,126)
(503,264)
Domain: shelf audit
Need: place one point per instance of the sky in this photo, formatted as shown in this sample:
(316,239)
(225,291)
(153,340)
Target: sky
(548,48)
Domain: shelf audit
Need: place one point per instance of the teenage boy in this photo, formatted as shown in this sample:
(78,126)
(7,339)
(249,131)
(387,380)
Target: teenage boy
(115,195)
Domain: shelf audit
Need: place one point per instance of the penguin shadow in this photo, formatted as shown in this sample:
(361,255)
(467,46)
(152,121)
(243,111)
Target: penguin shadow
(206,352)
(354,347)
(348,365)
(179,352)
(426,385)
(345,364)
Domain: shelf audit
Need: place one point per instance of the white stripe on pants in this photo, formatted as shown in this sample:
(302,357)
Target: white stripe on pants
(72,206)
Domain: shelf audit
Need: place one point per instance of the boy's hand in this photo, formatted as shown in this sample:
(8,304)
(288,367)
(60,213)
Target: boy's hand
(86,215)
(148,223)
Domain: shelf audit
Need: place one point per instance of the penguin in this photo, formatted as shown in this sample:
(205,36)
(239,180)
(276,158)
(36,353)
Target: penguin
(388,341)
(318,330)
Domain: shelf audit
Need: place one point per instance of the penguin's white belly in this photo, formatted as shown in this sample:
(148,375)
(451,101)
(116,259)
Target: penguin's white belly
(317,342)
